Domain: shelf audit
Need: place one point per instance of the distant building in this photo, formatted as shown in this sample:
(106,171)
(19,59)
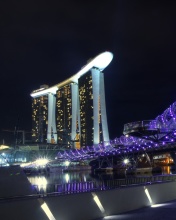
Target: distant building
(73,112)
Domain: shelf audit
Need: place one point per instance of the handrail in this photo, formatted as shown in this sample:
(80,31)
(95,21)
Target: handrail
(146,124)
(83,187)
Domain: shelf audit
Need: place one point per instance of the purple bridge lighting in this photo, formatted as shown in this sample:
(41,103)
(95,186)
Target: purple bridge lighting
(139,136)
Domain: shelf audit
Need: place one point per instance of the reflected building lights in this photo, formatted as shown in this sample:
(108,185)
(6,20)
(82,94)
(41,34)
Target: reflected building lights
(67,177)
(41,182)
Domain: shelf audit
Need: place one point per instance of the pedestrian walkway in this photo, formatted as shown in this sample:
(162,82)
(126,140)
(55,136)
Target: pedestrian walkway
(161,211)
(15,199)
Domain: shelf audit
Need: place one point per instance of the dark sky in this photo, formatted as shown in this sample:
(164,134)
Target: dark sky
(45,42)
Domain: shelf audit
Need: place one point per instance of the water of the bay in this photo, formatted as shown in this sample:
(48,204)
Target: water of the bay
(60,178)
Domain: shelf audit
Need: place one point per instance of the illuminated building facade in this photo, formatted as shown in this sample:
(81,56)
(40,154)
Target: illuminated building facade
(63,113)
(40,118)
(94,128)
(76,111)
(86,109)
(67,113)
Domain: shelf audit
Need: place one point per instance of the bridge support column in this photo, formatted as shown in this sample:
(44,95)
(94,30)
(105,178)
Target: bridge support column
(51,133)
(173,155)
(99,109)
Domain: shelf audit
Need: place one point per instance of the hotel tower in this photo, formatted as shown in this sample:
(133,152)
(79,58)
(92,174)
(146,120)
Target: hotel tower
(73,112)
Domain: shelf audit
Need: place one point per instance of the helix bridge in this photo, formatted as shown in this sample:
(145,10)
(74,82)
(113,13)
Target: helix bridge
(158,135)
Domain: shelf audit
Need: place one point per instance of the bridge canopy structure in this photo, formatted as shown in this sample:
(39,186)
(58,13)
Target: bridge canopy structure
(140,136)
(159,129)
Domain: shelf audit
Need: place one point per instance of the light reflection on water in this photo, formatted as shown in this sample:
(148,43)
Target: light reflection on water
(166,170)
(48,181)
(61,178)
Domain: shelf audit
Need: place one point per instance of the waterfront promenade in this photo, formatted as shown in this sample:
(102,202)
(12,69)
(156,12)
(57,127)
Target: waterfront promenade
(15,200)
(20,200)
(161,211)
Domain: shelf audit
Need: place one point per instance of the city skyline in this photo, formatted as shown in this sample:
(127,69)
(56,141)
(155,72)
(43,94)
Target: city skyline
(44,44)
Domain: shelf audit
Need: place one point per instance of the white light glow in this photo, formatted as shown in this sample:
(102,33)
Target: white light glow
(158,205)
(115,217)
(47,211)
(101,62)
(126,161)
(45,91)
(2,147)
(67,163)
(67,177)
(42,162)
(148,195)
(25,164)
(97,201)
(41,182)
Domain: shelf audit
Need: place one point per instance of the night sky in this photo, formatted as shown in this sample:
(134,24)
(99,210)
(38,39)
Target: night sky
(45,42)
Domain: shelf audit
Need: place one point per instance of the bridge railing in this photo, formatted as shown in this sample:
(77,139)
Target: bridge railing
(83,187)
(132,126)
(80,187)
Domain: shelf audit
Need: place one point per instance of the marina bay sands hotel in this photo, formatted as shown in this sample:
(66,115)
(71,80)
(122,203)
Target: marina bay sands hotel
(73,112)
